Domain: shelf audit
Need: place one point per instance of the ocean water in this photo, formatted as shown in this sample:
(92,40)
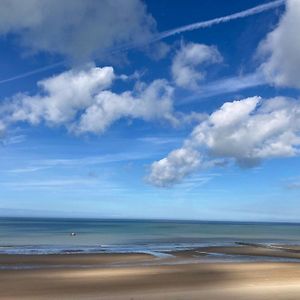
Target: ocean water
(42,236)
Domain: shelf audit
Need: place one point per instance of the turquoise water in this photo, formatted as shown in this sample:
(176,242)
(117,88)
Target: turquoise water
(54,235)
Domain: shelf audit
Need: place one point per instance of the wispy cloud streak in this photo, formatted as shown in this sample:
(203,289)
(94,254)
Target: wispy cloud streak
(40,165)
(226,86)
(109,158)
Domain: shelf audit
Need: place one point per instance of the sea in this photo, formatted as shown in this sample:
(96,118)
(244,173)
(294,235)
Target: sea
(61,236)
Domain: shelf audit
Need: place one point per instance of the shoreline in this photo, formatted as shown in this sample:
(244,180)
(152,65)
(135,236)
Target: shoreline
(165,246)
(275,250)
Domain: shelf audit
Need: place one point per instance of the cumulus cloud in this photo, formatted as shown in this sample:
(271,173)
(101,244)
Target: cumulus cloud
(79,29)
(245,131)
(185,66)
(82,101)
(282,48)
(61,97)
(150,102)
(174,167)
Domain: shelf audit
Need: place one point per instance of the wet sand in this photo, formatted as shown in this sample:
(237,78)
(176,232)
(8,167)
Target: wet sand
(141,276)
(243,249)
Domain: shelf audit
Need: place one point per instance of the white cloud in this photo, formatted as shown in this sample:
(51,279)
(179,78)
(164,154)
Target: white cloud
(82,101)
(78,29)
(61,96)
(185,66)
(174,167)
(148,103)
(282,48)
(245,131)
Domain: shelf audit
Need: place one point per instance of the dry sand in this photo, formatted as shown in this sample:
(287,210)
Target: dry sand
(138,276)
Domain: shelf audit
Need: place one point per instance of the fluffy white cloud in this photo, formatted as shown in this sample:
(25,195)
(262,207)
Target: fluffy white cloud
(244,131)
(147,103)
(82,101)
(80,29)
(61,96)
(185,66)
(174,167)
(282,48)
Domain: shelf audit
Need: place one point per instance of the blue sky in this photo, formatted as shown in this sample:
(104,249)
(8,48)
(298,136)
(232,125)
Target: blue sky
(106,112)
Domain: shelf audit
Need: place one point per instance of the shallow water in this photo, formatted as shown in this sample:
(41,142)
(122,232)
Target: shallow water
(39,236)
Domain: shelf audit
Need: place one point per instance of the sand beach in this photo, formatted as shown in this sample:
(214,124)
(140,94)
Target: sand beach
(274,273)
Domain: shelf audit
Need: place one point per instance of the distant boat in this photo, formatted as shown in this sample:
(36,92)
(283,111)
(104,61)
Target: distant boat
(73,234)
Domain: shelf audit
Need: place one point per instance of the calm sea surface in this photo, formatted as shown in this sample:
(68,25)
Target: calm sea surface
(54,235)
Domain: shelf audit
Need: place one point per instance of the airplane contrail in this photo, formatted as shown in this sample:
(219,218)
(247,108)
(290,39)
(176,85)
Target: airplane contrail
(165,34)
(33,72)
(201,25)
(205,24)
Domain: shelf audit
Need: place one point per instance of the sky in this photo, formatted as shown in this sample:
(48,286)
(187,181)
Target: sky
(150,109)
